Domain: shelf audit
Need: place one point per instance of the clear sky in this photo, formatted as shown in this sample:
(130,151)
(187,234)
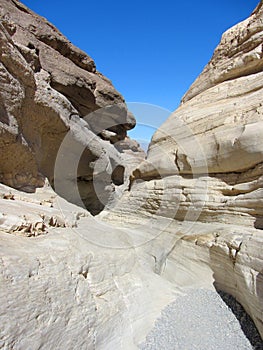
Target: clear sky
(151,50)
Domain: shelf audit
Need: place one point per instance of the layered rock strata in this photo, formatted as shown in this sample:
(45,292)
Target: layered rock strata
(50,89)
(69,281)
(192,216)
(204,175)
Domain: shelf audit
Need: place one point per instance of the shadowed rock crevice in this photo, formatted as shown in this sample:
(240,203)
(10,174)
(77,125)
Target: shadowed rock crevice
(117,175)
(80,97)
(246,323)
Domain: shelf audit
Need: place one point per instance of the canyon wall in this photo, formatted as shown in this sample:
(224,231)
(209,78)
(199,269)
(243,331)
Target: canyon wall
(188,216)
(213,141)
(203,175)
(50,89)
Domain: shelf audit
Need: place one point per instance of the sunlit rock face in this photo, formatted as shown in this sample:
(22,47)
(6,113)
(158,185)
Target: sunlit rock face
(216,135)
(50,89)
(204,172)
(189,216)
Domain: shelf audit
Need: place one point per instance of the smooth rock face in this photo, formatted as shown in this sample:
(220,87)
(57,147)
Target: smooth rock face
(190,218)
(47,86)
(238,54)
(211,146)
(63,287)
(204,172)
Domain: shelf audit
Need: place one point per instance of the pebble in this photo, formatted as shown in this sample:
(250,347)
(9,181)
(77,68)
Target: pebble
(203,320)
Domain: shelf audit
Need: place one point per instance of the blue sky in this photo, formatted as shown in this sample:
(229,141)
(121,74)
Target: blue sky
(151,50)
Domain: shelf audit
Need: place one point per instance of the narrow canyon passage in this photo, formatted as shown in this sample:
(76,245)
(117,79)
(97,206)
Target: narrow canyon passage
(103,246)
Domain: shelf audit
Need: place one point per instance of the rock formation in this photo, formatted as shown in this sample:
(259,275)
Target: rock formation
(204,174)
(192,215)
(49,89)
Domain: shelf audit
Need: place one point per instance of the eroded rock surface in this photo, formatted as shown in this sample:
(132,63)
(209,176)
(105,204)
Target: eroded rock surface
(203,175)
(209,152)
(50,89)
(192,216)
(69,281)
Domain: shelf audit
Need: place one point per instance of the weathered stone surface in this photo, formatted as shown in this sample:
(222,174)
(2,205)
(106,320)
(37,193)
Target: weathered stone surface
(78,284)
(238,54)
(192,216)
(204,174)
(47,86)
(132,152)
(215,139)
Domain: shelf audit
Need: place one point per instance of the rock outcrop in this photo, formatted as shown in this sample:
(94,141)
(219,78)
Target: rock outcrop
(203,175)
(216,134)
(50,89)
(191,216)
(69,281)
